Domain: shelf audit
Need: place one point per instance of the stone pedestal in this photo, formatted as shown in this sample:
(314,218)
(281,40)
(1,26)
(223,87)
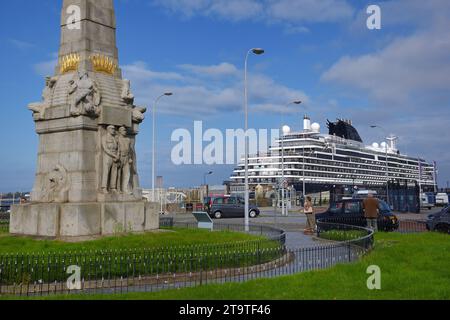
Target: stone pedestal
(83,219)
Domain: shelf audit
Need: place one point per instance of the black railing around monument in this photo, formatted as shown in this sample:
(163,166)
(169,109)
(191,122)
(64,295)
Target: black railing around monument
(135,270)
(385,224)
(270,233)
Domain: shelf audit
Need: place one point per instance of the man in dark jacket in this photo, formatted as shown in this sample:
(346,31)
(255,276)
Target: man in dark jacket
(371,211)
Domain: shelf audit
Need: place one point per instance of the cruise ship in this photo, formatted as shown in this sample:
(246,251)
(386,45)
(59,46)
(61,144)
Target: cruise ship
(333,161)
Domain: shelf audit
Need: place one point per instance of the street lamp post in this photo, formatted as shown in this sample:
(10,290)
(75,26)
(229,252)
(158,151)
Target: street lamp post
(256,51)
(303,171)
(420,177)
(283,191)
(204,181)
(386,156)
(167,94)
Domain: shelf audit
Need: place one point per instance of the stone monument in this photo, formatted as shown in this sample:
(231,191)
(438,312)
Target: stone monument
(87,180)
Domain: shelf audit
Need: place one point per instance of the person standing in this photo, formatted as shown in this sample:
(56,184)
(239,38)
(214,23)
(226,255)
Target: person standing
(371,211)
(310,218)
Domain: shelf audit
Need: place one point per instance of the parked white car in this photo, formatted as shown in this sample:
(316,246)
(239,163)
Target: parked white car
(424,203)
(442,199)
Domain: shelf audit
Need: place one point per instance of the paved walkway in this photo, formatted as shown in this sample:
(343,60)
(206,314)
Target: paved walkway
(294,225)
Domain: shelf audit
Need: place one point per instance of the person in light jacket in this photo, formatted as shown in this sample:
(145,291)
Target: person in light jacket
(310,217)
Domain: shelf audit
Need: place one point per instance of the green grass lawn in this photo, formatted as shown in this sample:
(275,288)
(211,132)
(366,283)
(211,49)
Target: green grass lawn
(413,266)
(173,237)
(343,235)
(24,261)
(4,227)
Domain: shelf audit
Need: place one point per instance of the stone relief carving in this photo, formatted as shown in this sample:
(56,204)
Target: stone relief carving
(126,95)
(138,114)
(57,186)
(85,96)
(128,98)
(40,107)
(127,159)
(111,160)
(119,162)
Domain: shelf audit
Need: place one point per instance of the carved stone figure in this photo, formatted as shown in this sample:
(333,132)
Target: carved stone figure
(111,160)
(85,96)
(126,151)
(57,185)
(126,95)
(138,114)
(40,107)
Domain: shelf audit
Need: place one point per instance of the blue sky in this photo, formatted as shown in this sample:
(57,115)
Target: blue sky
(319,51)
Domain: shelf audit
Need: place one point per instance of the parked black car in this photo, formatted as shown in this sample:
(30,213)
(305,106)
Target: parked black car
(439,221)
(231,207)
(351,212)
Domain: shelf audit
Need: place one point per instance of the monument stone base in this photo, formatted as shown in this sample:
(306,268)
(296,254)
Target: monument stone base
(66,220)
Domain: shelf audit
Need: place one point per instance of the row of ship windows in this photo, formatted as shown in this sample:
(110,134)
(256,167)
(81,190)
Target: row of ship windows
(361,169)
(330,165)
(381,160)
(319,179)
(313,165)
(343,162)
(349,154)
(335,173)
(355,157)
(314,177)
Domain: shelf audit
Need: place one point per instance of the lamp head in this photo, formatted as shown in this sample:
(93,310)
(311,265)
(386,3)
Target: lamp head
(168,94)
(258,51)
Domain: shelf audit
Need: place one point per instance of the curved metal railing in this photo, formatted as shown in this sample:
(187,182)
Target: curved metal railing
(271,233)
(111,271)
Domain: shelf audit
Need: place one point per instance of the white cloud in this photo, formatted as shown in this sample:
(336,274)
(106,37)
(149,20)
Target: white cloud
(406,82)
(309,10)
(46,68)
(228,9)
(220,70)
(22,45)
(407,66)
(415,13)
(266,91)
(236,9)
(296,29)
(194,96)
(139,72)
(284,11)
(186,7)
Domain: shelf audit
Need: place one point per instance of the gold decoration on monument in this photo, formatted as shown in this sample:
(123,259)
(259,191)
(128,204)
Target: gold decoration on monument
(102,63)
(69,62)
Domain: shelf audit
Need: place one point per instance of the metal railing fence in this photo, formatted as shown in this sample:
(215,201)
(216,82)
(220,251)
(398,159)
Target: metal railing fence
(148,270)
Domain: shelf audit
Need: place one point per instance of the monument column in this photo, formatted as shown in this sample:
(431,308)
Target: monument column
(86,178)
(88,27)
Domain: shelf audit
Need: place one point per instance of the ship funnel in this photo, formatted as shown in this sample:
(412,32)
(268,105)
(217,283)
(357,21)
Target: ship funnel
(306,123)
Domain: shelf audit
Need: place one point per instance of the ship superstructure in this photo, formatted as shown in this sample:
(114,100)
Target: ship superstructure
(324,161)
